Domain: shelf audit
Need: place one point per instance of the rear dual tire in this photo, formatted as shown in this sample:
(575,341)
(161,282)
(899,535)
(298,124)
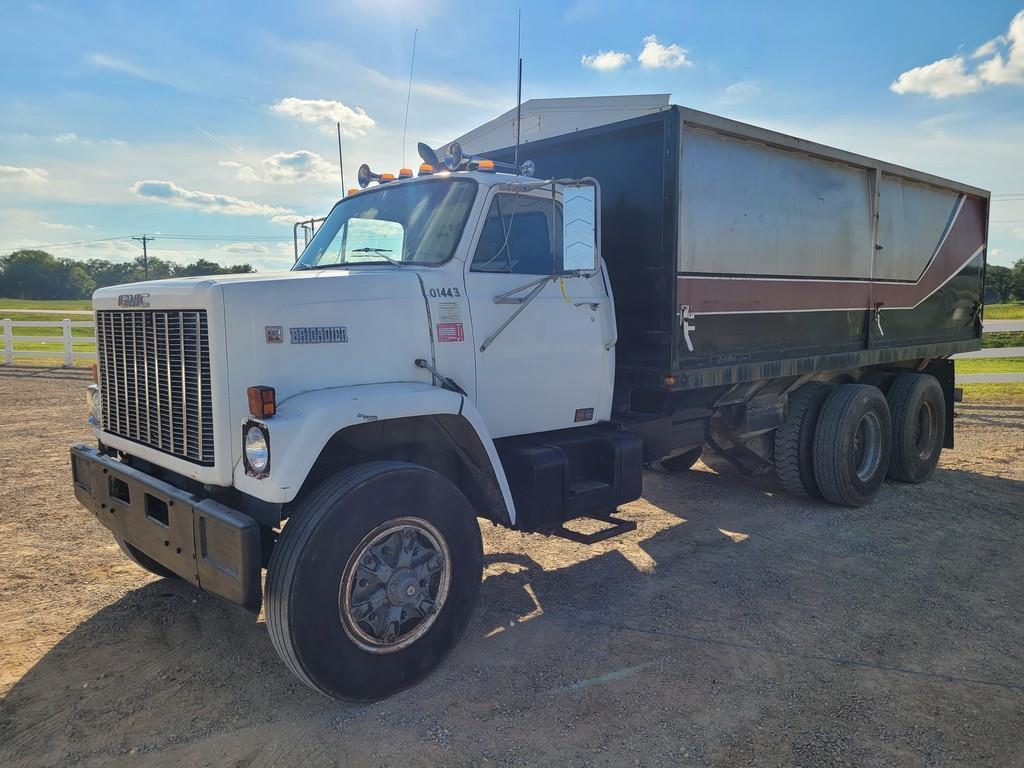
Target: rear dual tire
(852,445)
(794,440)
(918,426)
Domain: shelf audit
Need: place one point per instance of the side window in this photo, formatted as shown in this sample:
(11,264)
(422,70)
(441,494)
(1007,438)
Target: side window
(522,235)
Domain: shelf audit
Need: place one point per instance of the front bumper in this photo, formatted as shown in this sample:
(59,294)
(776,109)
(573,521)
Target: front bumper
(212,546)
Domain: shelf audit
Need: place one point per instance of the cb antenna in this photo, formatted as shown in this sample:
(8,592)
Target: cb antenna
(519,86)
(341,164)
(408,96)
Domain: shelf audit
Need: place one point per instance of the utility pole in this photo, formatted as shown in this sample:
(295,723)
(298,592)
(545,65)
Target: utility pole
(145,256)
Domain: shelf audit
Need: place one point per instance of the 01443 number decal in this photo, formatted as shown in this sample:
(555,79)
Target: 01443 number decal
(444,293)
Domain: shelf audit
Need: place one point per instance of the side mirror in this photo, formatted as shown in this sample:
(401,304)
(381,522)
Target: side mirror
(581,228)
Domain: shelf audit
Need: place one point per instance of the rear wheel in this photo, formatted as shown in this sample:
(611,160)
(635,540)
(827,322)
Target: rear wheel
(144,561)
(682,461)
(852,445)
(918,426)
(794,440)
(373,580)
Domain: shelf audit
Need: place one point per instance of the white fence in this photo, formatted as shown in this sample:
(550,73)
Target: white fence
(62,344)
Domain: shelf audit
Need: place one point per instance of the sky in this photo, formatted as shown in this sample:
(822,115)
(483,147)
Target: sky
(211,125)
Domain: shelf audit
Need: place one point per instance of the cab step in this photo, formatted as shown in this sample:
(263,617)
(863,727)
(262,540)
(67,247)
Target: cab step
(571,473)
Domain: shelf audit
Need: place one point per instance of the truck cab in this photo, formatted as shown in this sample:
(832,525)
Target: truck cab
(451,334)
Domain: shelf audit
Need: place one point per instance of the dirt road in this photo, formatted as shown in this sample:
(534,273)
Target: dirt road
(736,626)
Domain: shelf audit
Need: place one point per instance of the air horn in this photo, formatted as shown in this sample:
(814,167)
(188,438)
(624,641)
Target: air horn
(454,159)
(365,176)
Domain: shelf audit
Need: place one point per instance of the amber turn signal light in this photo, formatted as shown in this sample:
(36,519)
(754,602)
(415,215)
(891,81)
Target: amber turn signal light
(262,401)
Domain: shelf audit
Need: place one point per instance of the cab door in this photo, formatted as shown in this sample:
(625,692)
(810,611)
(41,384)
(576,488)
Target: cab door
(543,356)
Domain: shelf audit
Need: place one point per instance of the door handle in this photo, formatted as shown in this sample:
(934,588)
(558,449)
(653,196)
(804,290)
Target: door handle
(594,305)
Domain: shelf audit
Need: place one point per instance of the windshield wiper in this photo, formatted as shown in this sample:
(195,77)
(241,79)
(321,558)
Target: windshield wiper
(383,252)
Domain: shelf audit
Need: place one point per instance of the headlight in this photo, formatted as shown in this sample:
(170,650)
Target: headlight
(256,444)
(92,402)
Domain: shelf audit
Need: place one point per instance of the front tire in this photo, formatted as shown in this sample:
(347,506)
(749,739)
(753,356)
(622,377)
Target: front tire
(852,445)
(373,580)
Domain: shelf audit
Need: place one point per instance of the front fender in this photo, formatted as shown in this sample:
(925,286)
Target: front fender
(304,423)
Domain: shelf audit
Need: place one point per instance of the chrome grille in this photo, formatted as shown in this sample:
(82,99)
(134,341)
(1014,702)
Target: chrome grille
(154,375)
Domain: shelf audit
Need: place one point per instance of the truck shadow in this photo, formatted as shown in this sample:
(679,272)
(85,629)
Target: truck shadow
(728,568)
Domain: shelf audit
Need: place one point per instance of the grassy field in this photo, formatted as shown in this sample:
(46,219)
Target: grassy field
(990,365)
(993,393)
(1000,339)
(1012,311)
(45,304)
(21,310)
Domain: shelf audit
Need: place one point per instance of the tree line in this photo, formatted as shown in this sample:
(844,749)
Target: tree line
(31,274)
(1003,284)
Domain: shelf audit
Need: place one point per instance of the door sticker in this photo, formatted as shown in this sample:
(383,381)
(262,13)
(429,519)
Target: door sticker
(449,312)
(450,332)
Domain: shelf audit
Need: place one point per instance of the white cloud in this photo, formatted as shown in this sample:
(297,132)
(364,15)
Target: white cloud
(354,122)
(116,142)
(658,56)
(286,168)
(290,218)
(605,61)
(987,49)
(292,167)
(66,138)
(740,91)
(16,174)
(52,225)
(1008,69)
(246,249)
(242,171)
(208,202)
(940,79)
(115,64)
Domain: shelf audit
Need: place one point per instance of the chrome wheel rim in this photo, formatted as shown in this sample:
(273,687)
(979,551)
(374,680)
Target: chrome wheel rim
(867,446)
(394,585)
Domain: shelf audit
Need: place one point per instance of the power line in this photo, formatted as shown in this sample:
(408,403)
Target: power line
(211,238)
(65,245)
(226,237)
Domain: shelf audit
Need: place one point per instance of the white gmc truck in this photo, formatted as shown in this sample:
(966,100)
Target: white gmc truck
(448,347)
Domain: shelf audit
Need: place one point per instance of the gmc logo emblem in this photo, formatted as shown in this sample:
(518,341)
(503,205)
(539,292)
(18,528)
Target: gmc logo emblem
(133,300)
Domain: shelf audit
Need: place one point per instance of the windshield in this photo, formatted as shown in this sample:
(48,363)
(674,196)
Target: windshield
(415,223)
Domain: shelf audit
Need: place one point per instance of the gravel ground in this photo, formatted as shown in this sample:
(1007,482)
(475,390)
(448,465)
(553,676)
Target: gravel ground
(735,627)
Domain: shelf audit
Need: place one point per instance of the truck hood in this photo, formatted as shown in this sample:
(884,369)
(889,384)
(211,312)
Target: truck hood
(294,331)
(187,288)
